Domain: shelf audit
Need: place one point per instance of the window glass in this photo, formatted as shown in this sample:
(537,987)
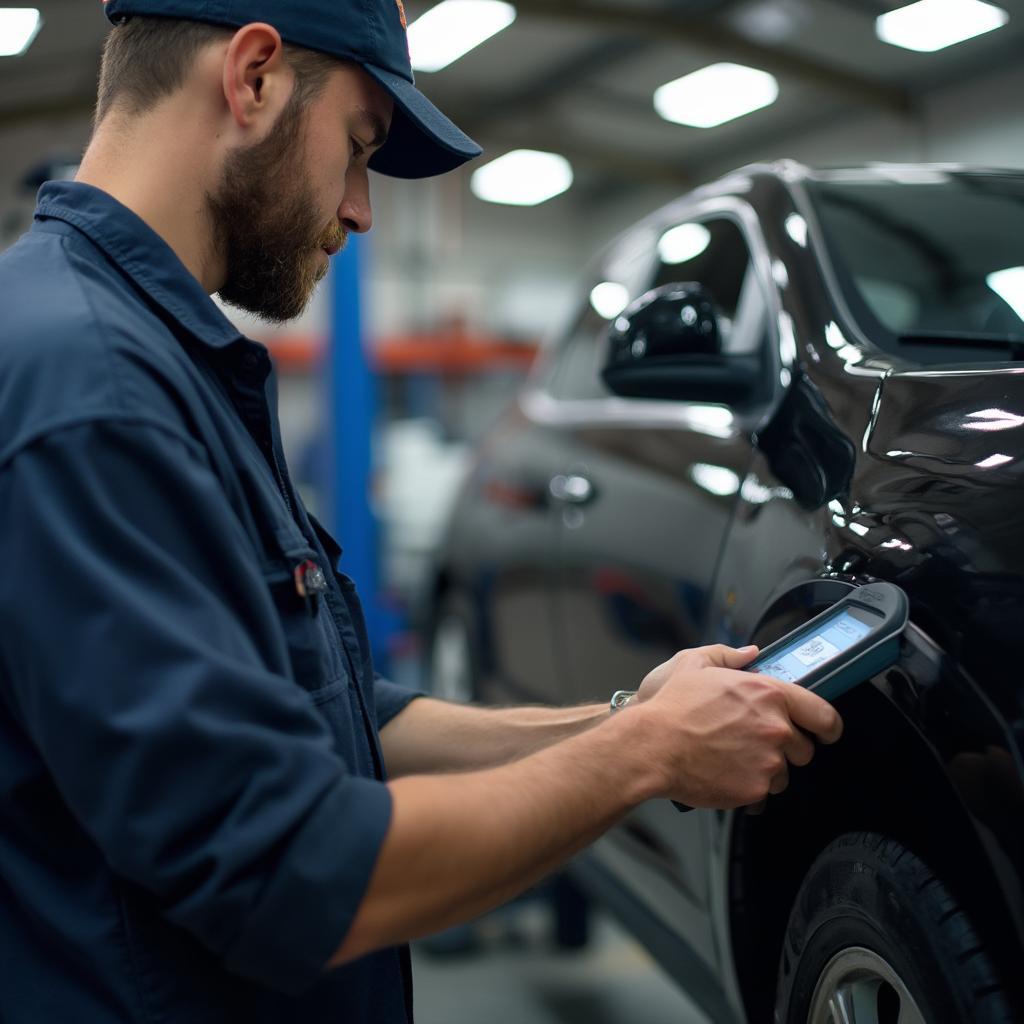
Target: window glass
(932,269)
(712,253)
(717,258)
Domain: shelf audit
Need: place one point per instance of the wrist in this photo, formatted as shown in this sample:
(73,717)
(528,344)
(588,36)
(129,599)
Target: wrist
(643,775)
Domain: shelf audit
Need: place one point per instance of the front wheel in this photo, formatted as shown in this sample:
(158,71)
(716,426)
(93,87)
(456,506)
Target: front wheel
(875,937)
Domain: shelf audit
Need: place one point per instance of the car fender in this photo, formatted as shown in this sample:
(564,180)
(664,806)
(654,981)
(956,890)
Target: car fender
(925,757)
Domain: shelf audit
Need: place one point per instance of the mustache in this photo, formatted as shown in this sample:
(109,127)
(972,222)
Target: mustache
(335,238)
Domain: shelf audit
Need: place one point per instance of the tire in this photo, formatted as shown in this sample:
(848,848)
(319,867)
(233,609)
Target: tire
(453,657)
(875,937)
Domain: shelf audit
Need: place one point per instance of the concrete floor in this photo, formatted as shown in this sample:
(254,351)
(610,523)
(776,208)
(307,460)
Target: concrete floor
(514,975)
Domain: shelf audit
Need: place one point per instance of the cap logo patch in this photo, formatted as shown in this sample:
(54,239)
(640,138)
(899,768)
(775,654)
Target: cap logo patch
(401,14)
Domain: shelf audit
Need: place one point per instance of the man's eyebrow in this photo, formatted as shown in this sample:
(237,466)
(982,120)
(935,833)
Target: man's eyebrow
(376,124)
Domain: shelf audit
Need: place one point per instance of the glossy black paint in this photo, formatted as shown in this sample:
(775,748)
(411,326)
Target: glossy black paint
(597,536)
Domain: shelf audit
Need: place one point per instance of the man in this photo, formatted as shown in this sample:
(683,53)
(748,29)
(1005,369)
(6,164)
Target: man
(209,808)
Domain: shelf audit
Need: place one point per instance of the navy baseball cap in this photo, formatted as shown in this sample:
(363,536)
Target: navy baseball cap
(422,141)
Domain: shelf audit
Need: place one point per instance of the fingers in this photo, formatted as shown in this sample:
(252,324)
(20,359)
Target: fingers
(811,712)
(799,750)
(777,785)
(721,656)
(692,659)
(733,736)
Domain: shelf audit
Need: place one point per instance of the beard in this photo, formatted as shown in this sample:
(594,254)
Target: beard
(266,226)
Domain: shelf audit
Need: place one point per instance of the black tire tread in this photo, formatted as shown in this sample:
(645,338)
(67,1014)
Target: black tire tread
(956,944)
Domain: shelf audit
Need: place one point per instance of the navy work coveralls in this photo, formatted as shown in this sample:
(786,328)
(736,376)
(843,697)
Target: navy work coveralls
(191,794)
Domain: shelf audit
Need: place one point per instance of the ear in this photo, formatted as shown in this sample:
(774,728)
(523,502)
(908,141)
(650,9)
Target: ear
(256,78)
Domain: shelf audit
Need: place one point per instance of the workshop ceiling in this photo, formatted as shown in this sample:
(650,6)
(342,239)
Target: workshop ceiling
(577,76)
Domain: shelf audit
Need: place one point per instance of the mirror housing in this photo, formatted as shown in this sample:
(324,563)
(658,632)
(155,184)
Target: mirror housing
(668,345)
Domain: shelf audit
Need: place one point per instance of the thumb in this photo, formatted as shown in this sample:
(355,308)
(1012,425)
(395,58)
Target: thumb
(812,713)
(731,657)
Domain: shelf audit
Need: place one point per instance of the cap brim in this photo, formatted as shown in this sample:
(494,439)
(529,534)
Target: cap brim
(422,142)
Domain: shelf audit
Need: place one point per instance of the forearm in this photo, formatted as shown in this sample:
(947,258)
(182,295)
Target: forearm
(706,734)
(461,844)
(436,736)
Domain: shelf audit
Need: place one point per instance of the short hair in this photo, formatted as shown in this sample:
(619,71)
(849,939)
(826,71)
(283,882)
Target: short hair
(148,58)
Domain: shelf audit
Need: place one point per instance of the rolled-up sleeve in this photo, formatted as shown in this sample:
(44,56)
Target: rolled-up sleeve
(133,654)
(391,698)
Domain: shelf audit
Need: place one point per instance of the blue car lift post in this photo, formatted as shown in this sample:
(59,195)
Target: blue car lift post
(351,404)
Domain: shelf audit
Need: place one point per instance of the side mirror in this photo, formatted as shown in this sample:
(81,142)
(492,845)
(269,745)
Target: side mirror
(668,345)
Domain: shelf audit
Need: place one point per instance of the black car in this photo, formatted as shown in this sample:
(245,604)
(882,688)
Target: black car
(798,381)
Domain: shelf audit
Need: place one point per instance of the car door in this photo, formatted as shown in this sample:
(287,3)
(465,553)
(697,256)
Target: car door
(644,498)
(501,547)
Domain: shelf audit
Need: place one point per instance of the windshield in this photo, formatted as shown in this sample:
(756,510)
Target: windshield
(933,269)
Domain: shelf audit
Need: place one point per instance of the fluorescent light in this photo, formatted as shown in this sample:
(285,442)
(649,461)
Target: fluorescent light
(524,177)
(609,299)
(683,242)
(931,25)
(715,94)
(18,27)
(1009,286)
(453,28)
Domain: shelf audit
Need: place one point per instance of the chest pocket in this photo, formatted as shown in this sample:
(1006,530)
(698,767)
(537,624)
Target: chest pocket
(321,642)
(315,650)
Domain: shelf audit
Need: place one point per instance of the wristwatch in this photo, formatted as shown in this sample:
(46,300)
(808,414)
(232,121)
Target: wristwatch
(620,698)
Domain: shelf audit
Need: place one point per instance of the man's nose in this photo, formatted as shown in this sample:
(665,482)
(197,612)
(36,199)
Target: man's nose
(355,213)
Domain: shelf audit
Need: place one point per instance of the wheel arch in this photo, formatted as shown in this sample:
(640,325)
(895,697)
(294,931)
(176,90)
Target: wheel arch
(885,775)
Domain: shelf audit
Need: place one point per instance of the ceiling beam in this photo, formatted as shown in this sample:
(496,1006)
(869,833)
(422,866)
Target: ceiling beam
(702,31)
(569,73)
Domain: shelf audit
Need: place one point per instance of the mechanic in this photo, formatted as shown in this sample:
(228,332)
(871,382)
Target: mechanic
(210,808)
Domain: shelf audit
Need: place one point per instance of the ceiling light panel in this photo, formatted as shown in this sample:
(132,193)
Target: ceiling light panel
(18,27)
(454,27)
(715,94)
(930,25)
(524,177)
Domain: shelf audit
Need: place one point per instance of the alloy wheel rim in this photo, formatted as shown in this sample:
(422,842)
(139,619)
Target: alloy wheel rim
(858,986)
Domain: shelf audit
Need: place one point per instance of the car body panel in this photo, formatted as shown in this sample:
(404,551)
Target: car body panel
(707,524)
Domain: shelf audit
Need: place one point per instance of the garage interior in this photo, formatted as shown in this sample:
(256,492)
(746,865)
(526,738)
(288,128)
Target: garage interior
(458,293)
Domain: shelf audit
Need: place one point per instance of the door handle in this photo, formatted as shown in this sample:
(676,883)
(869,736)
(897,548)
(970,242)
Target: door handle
(571,489)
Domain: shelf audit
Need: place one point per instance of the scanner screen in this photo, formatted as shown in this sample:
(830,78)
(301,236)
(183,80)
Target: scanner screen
(808,652)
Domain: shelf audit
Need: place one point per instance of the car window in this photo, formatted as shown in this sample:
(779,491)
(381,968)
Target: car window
(714,254)
(711,252)
(932,269)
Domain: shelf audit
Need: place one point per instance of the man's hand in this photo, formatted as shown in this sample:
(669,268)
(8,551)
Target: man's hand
(726,738)
(704,733)
(716,655)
